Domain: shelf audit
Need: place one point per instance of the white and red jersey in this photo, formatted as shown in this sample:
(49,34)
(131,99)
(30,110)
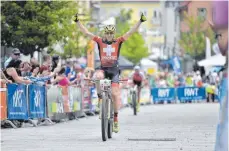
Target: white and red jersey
(109,53)
(137,76)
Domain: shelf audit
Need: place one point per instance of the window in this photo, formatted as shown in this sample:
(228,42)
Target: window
(202,13)
(155,14)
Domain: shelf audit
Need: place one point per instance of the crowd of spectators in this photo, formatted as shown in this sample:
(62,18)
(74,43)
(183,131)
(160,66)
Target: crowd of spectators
(191,79)
(51,71)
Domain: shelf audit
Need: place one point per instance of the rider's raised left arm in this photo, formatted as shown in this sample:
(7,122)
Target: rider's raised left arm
(135,28)
(132,30)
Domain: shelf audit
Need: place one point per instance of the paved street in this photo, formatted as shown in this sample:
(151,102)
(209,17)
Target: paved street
(192,126)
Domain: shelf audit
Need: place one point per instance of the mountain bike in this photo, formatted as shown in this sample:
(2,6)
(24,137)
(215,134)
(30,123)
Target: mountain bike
(106,108)
(134,97)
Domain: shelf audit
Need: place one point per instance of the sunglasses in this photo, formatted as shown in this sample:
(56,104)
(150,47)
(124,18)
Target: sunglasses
(109,33)
(17,54)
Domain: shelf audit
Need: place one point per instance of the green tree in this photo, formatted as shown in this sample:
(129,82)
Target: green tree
(194,42)
(134,48)
(33,25)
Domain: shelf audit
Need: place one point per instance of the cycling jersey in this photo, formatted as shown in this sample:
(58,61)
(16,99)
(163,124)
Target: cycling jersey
(137,76)
(109,52)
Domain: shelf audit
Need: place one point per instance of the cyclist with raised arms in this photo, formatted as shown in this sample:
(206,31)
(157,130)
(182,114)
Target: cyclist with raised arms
(109,50)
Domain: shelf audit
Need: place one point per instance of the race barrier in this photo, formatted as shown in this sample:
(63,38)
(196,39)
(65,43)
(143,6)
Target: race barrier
(163,94)
(191,93)
(94,100)
(125,97)
(4,120)
(182,94)
(145,95)
(3,102)
(56,103)
(64,103)
(52,103)
(28,102)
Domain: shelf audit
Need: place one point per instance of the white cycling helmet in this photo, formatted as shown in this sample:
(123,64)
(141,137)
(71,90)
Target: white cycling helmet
(136,68)
(109,28)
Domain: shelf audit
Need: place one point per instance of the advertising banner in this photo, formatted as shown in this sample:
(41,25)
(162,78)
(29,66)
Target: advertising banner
(37,101)
(17,104)
(191,93)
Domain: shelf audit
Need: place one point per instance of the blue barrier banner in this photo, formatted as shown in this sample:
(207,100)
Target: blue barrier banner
(163,94)
(191,93)
(37,101)
(94,100)
(16,103)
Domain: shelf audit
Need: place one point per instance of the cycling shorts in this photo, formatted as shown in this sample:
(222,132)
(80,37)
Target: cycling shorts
(138,83)
(111,73)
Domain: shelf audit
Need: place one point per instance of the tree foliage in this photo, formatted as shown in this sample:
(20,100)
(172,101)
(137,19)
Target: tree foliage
(134,48)
(194,41)
(33,25)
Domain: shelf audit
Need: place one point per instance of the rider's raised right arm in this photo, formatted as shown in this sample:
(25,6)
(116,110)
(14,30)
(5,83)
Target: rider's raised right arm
(84,30)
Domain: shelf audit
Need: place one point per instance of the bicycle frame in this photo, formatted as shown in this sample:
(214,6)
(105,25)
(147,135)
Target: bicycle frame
(134,89)
(105,86)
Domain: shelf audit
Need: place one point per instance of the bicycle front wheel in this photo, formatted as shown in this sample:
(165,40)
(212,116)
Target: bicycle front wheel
(134,101)
(111,119)
(104,118)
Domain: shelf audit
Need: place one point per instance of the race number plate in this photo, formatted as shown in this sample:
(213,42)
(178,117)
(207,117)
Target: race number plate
(105,83)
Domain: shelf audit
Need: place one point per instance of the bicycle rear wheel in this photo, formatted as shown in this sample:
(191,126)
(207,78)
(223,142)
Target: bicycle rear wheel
(111,119)
(134,101)
(104,119)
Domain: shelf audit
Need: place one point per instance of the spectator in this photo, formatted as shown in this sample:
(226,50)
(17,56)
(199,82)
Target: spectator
(69,72)
(35,70)
(47,62)
(189,80)
(198,79)
(68,68)
(181,80)
(55,61)
(25,69)
(62,79)
(13,72)
(89,72)
(170,80)
(44,75)
(34,61)
(4,79)
(80,75)
(152,81)
(14,56)
(162,82)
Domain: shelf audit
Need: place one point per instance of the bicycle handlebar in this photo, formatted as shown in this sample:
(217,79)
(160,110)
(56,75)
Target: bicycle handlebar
(94,80)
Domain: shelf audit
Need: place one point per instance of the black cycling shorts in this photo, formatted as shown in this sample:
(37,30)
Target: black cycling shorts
(138,83)
(112,74)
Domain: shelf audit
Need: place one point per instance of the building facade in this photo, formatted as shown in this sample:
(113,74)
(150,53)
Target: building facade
(170,28)
(196,9)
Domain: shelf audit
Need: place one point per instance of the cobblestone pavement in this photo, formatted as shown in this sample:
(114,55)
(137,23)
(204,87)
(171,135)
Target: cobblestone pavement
(191,126)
